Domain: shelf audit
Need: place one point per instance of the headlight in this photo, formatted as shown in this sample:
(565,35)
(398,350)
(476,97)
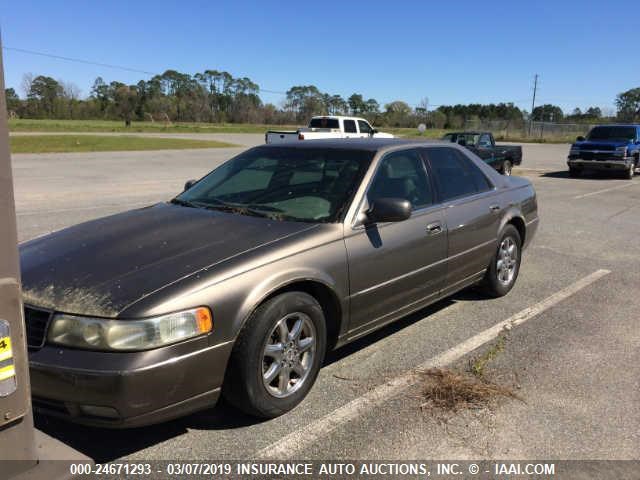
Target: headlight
(101,334)
(621,151)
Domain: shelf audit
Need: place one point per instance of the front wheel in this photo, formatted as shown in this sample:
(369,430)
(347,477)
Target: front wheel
(574,172)
(506,168)
(277,356)
(505,265)
(630,172)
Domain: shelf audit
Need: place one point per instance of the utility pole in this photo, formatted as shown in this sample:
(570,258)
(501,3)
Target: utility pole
(426,111)
(533,102)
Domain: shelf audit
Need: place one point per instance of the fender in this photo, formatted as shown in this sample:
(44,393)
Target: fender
(511,213)
(280,280)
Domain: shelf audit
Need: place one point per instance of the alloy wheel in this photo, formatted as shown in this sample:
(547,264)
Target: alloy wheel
(288,354)
(507,261)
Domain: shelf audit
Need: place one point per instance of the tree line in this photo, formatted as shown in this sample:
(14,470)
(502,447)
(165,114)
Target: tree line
(217,96)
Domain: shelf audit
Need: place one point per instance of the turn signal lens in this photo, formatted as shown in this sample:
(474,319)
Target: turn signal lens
(205,322)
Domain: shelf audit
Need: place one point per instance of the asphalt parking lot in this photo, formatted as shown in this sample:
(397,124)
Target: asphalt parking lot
(574,360)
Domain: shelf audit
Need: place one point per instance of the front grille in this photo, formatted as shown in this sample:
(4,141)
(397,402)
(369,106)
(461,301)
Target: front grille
(600,146)
(36,321)
(596,156)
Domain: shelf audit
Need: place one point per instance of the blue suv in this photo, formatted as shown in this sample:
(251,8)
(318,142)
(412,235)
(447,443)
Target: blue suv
(607,147)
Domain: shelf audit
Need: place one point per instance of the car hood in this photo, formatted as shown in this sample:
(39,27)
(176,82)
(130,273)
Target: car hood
(100,267)
(600,144)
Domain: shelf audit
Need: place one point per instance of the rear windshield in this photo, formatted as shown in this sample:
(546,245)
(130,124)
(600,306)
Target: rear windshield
(613,133)
(324,123)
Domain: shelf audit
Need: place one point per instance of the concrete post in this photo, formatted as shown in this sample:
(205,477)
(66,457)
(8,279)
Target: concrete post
(24,451)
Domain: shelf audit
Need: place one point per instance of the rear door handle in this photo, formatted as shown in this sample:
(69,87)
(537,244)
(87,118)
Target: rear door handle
(494,208)
(434,228)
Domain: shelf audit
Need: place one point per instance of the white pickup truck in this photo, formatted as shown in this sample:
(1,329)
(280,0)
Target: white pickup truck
(327,127)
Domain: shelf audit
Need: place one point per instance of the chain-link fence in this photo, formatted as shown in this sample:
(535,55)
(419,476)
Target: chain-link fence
(535,131)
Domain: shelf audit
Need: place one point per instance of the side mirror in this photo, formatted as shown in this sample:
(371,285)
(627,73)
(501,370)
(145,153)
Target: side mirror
(389,210)
(189,184)
(374,131)
(579,138)
(462,142)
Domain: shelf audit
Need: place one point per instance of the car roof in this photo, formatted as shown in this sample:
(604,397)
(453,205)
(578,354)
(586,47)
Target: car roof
(337,117)
(466,132)
(618,125)
(363,144)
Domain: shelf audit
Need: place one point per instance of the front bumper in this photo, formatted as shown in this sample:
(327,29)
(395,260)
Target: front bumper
(129,389)
(614,163)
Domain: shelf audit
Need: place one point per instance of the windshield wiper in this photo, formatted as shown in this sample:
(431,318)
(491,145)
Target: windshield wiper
(239,209)
(187,203)
(184,203)
(273,213)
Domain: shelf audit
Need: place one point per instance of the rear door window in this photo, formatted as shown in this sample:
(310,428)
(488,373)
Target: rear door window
(455,175)
(350,126)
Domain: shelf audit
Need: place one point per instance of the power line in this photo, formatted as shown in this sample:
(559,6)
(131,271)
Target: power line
(78,60)
(146,72)
(271,91)
(106,65)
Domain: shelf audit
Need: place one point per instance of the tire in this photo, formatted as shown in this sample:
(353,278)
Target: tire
(496,282)
(506,168)
(245,386)
(574,172)
(630,172)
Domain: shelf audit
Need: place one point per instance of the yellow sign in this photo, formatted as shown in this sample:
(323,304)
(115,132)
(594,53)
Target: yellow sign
(7,372)
(5,348)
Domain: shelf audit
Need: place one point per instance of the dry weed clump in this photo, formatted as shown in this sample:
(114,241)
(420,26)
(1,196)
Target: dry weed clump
(449,390)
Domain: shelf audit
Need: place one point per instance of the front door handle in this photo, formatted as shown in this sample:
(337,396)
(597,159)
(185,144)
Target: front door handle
(494,208)
(434,228)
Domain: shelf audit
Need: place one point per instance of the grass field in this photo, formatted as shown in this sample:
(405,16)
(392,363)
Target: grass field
(430,134)
(27,125)
(500,136)
(97,143)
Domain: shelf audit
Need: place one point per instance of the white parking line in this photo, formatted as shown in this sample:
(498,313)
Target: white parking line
(597,192)
(290,445)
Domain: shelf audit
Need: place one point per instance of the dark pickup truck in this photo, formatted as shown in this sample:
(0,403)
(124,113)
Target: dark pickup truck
(607,147)
(500,157)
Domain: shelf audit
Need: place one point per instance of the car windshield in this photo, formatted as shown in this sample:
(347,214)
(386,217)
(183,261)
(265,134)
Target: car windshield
(469,138)
(613,133)
(324,123)
(283,183)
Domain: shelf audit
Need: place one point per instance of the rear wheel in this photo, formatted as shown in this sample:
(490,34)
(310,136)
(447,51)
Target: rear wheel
(277,356)
(504,268)
(506,168)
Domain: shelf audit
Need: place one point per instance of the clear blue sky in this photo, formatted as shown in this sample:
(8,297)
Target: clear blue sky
(451,52)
